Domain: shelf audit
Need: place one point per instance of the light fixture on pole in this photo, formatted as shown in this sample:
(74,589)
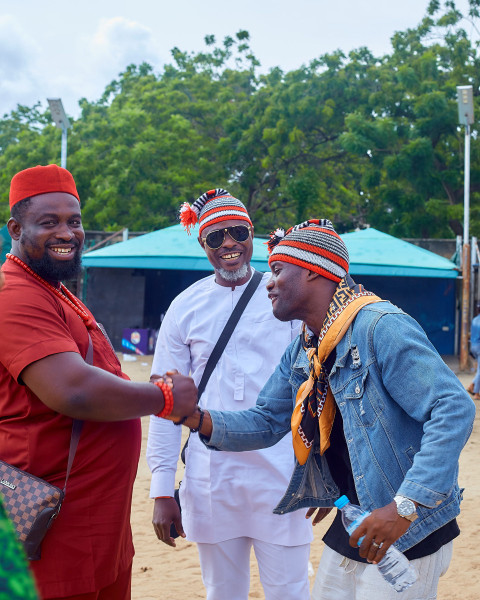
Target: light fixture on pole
(465,117)
(61,121)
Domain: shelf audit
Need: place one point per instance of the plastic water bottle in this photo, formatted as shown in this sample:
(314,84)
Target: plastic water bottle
(394,566)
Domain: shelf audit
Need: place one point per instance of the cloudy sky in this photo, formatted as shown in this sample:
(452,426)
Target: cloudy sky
(74,49)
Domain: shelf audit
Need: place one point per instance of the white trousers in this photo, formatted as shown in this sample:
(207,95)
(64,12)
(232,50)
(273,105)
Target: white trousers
(226,569)
(340,578)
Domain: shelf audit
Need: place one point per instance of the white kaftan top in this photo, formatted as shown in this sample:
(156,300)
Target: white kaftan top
(225,494)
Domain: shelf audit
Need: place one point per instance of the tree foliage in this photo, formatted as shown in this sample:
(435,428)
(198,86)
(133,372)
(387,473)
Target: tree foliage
(362,140)
(408,133)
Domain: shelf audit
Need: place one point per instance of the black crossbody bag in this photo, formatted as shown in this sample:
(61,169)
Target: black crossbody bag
(215,356)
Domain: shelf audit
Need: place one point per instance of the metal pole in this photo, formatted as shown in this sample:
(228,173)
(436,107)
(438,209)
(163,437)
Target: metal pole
(466,188)
(476,252)
(63,161)
(464,361)
(458,307)
(473,277)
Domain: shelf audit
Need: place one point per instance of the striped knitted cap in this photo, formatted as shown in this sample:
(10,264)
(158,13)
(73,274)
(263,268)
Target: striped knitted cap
(313,245)
(212,207)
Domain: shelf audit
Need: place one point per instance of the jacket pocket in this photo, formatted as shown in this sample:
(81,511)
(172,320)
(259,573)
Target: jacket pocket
(295,380)
(362,406)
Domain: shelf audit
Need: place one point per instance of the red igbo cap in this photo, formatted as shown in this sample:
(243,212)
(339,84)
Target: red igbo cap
(41,180)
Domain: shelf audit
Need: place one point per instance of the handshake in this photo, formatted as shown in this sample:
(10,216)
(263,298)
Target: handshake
(185,399)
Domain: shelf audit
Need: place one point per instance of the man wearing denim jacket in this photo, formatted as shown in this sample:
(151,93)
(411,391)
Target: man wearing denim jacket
(375,414)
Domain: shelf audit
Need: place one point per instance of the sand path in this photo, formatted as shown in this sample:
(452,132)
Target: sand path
(164,573)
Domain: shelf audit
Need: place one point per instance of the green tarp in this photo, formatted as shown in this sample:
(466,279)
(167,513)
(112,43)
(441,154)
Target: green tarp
(371,253)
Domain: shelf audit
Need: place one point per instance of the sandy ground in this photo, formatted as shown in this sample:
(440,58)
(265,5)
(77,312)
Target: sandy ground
(164,573)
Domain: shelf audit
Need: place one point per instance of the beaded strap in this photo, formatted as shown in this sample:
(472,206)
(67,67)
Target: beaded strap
(167,398)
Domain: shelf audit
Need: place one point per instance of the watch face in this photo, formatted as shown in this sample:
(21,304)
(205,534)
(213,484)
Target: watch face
(406,507)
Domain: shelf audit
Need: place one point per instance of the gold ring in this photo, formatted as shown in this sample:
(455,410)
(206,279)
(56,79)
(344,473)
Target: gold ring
(375,545)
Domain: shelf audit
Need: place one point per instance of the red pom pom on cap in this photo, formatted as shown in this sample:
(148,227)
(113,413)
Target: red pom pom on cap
(188,217)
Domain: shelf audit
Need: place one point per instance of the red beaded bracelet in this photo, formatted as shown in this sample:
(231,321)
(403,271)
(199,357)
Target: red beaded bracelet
(167,399)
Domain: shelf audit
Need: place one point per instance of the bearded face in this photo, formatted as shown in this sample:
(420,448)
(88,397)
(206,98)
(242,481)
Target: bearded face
(51,236)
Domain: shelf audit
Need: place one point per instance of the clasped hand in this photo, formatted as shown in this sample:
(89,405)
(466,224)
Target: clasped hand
(185,394)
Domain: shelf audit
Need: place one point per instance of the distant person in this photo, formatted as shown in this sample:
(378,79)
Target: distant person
(45,383)
(474,387)
(375,414)
(227,499)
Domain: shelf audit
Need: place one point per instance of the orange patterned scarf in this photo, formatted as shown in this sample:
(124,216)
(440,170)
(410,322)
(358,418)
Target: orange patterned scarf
(315,405)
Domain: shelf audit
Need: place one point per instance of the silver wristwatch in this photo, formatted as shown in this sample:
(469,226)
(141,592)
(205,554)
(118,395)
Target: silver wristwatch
(406,508)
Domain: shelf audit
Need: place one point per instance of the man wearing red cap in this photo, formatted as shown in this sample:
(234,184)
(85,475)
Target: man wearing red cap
(45,383)
(375,415)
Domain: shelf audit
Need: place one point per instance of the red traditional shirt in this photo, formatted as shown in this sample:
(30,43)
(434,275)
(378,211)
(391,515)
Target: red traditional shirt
(90,542)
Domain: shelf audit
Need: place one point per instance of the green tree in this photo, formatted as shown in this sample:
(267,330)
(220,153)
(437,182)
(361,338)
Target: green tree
(26,140)
(285,150)
(149,143)
(407,132)
(362,140)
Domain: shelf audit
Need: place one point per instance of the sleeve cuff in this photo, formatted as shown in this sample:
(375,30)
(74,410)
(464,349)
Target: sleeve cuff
(420,494)
(163,484)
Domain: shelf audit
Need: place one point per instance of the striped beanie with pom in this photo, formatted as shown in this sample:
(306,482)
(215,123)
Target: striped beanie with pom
(212,207)
(313,245)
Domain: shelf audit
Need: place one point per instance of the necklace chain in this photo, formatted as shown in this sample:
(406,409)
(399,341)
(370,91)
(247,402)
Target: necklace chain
(63,293)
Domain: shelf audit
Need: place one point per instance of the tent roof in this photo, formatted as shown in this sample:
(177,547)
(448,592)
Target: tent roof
(5,243)
(169,248)
(375,253)
(371,253)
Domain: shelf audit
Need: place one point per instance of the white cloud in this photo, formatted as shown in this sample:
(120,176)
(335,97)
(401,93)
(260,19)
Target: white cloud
(32,69)
(18,79)
(96,57)
(72,50)
(119,42)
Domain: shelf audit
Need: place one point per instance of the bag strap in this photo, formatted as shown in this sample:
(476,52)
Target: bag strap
(228,330)
(223,339)
(76,431)
(77,425)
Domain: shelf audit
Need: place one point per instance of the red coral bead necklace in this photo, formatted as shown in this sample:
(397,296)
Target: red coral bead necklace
(63,293)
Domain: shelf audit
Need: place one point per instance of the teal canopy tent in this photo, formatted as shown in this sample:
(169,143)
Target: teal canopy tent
(375,253)
(169,248)
(371,253)
(133,282)
(5,243)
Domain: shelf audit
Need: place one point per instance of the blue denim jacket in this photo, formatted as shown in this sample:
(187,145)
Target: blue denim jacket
(406,418)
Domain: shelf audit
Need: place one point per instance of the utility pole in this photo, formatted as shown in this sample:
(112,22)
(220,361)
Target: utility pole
(61,121)
(465,117)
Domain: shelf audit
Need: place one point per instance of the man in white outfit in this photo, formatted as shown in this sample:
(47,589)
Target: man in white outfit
(227,498)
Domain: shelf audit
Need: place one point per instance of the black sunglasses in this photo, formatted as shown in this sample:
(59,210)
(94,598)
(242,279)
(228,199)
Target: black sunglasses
(238,233)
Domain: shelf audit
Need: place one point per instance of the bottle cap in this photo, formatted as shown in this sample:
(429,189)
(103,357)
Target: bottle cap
(340,503)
